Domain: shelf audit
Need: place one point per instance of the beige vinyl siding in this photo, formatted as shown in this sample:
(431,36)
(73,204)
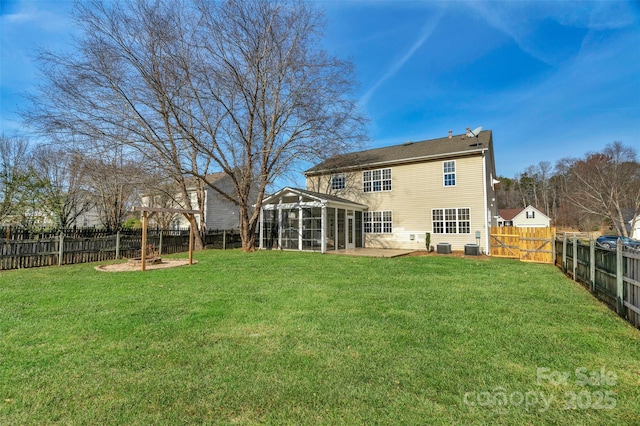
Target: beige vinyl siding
(417,188)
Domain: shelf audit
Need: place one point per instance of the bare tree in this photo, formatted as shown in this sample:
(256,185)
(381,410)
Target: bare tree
(605,184)
(197,87)
(507,193)
(163,195)
(113,182)
(546,198)
(15,177)
(61,189)
(529,182)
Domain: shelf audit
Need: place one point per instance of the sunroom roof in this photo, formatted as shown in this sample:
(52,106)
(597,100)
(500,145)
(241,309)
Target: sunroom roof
(317,197)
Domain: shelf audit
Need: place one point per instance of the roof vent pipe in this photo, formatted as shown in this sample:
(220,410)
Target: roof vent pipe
(450,134)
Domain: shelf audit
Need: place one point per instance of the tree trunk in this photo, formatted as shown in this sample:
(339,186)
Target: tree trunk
(247,231)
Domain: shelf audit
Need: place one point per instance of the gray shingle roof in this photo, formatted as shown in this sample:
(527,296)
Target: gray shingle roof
(406,152)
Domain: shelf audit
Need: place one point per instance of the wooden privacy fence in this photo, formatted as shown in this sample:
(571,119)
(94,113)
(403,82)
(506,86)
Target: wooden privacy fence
(64,250)
(526,244)
(612,276)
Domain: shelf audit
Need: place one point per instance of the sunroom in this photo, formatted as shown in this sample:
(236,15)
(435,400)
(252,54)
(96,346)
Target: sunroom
(297,219)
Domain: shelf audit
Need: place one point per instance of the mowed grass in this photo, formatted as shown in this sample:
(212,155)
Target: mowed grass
(299,338)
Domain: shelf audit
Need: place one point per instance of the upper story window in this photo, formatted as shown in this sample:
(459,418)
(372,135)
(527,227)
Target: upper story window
(531,215)
(449,172)
(376,180)
(337,181)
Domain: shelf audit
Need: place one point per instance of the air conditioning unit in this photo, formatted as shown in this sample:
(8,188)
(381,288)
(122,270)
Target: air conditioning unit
(471,250)
(443,248)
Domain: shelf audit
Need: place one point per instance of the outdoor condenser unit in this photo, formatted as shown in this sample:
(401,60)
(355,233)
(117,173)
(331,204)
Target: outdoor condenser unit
(443,248)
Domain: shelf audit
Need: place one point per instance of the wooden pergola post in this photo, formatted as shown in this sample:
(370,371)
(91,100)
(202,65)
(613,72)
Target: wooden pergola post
(189,214)
(192,220)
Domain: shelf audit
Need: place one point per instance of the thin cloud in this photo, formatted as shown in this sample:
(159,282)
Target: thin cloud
(517,20)
(39,15)
(425,33)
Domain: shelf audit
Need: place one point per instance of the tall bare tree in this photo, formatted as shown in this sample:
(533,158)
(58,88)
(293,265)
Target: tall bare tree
(61,188)
(605,184)
(15,177)
(113,181)
(201,86)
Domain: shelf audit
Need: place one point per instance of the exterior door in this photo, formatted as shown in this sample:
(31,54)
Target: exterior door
(351,232)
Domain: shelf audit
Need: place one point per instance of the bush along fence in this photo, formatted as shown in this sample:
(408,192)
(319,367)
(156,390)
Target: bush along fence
(29,249)
(612,276)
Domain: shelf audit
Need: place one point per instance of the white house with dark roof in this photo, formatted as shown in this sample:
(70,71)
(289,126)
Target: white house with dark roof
(391,198)
(529,217)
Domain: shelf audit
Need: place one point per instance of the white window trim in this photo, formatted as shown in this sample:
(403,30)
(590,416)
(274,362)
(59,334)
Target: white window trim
(381,180)
(454,173)
(344,181)
(444,221)
(367,219)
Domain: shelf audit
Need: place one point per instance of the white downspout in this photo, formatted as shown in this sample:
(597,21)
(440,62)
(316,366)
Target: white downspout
(486,214)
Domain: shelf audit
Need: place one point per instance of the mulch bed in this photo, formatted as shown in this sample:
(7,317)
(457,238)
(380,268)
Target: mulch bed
(454,253)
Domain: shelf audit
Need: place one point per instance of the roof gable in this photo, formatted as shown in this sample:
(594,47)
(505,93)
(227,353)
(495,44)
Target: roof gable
(509,214)
(316,196)
(458,145)
(531,208)
(212,178)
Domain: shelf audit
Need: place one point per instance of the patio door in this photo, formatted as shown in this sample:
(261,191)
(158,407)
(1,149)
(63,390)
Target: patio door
(351,231)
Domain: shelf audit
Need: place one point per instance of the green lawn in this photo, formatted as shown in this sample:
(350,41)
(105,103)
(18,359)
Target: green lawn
(298,338)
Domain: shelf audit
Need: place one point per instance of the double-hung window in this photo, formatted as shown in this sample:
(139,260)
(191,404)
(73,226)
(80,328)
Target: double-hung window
(380,222)
(451,221)
(531,215)
(376,180)
(337,181)
(449,173)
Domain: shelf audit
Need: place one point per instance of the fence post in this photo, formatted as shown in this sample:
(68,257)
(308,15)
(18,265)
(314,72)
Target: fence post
(592,265)
(224,239)
(619,279)
(60,248)
(118,244)
(564,253)
(160,244)
(575,257)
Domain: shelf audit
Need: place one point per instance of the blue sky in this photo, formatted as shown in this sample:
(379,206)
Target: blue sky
(551,79)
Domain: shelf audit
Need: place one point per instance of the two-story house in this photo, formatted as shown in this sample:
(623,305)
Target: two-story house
(390,198)
(219,212)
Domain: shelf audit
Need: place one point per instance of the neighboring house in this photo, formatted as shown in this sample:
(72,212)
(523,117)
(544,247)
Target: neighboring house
(529,217)
(89,218)
(390,198)
(219,212)
(635,232)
